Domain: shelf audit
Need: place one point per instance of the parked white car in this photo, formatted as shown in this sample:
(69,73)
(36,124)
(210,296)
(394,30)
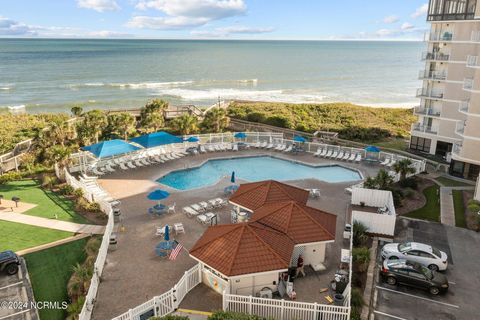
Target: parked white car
(424,254)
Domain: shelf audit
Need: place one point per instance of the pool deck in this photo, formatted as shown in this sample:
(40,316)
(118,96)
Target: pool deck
(133,273)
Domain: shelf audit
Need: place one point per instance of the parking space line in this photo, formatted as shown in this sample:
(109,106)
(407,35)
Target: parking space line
(11,285)
(388,315)
(15,314)
(451,282)
(419,297)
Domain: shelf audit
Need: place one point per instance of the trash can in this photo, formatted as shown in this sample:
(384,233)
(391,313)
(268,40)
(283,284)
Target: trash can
(112,245)
(116,215)
(338,299)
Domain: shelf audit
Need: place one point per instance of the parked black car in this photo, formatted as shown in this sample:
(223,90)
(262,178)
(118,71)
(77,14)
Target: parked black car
(9,262)
(413,274)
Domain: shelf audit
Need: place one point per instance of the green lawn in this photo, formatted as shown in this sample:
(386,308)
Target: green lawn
(431,210)
(459,209)
(48,203)
(395,143)
(18,236)
(50,271)
(452,183)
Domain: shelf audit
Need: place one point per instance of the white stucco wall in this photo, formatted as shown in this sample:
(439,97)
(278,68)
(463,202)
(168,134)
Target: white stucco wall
(252,284)
(314,254)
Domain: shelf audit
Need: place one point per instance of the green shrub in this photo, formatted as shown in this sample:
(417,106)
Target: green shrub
(93,207)
(48,181)
(356,298)
(228,315)
(409,193)
(10,176)
(256,117)
(473,206)
(361,257)
(67,189)
(410,182)
(78,193)
(279,121)
(81,204)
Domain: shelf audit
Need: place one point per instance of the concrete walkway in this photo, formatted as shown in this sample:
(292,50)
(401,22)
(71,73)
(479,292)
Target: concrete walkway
(51,223)
(52,244)
(447,211)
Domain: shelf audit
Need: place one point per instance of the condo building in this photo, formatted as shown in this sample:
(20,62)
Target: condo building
(449,110)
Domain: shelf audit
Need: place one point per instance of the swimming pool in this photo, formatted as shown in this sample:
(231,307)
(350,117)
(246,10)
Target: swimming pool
(254,169)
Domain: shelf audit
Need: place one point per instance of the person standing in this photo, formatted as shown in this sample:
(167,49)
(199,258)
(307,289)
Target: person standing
(300,266)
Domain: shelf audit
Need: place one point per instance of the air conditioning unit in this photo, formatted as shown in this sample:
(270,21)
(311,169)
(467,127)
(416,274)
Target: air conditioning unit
(266,293)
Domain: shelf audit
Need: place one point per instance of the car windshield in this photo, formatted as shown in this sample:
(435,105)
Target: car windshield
(402,247)
(436,252)
(426,272)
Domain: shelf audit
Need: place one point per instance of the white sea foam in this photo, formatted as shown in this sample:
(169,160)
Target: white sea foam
(259,95)
(140,85)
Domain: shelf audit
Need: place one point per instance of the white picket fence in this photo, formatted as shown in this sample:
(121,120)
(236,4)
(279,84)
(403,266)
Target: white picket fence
(283,309)
(373,198)
(168,302)
(379,224)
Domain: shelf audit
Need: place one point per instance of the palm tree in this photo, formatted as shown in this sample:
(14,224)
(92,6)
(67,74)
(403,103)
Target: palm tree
(185,124)
(60,155)
(383,180)
(370,183)
(216,120)
(75,308)
(152,116)
(121,124)
(95,120)
(404,167)
(83,274)
(359,233)
(74,287)
(58,132)
(77,111)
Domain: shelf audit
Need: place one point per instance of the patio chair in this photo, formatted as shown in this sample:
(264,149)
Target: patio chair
(235,147)
(190,212)
(197,207)
(263,145)
(171,208)
(270,146)
(314,193)
(228,147)
(145,161)
(346,156)
(202,149)
(318,152)
(205,218)
(210,148)
(138,163)
(358,157)
(288,149)
(98,172)
(256,144)
(391,163)
(159,231)
(178,227)
(158,159)
(340,155)
(334,154)
(205,205)
(385,162)
(164,158)
(329,153)
(109,168)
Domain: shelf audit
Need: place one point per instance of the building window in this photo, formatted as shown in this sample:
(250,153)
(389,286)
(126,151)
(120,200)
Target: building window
(420,144)
(443,148)
(451,10)
(456,168)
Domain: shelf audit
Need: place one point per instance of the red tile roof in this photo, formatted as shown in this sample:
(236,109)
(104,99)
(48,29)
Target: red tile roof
(243,248)
(256,194)
(301,223)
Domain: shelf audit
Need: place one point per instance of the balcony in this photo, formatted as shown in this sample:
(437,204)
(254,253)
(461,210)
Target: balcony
(464,106)
(426,111)
(457,149)
(439,36)
(432,75)
(437,56)
(418,127)
(473,62)
(468,84)
(475,36)
(431,94)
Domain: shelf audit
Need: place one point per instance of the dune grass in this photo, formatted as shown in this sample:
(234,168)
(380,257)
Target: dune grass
(459,208)
(431,210)
(50,271)
(48,202)
(18,236)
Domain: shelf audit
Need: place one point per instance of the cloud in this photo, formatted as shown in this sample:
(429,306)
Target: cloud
(407,26)
(179,14)
(390,19)
(226,31)
(9,27)
(421,11)
(99,5)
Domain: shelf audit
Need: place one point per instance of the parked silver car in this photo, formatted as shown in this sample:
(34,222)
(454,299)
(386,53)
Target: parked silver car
(424,254)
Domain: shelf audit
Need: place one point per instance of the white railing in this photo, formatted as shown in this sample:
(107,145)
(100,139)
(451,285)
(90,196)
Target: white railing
(464,106)
(475,36)
(472,61)
(439,36)
(440,56)
(468,84)
(434,75)
(460,127)
(427,111)
(168,302)
(423,92)
(424,128)
(457,149)
(282,309)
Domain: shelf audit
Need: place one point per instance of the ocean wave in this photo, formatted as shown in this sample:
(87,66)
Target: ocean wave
(5,88)
(259,95)
(139,85)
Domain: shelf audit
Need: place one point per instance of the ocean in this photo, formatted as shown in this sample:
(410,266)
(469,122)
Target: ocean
(52,75)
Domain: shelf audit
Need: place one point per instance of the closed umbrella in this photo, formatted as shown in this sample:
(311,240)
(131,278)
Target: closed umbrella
(232,178)
(166,236)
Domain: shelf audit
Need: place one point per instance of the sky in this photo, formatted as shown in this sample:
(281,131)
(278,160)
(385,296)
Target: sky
(215,19)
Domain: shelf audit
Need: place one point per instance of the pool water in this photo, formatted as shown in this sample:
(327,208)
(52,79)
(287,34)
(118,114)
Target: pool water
(254,169)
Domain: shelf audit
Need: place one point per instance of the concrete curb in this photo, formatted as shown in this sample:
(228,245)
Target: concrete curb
(368,294)
(52,244)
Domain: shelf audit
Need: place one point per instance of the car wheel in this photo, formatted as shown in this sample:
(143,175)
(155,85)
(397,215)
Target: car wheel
(391,281)
(433,267)
(434,291)
(11,269)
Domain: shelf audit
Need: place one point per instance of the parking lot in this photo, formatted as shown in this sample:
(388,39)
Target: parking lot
(463,273)
(15,293)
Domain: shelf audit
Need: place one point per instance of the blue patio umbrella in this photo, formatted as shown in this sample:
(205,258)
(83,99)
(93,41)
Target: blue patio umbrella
(232,179)
(192,139)
(166,236)
(240,135)
(299,139)
(158,195)
(372,149)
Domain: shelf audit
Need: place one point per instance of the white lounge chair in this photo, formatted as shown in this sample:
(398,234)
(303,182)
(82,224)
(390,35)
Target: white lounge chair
(205,218)
(358,158)
(202,149)
(288,149)
(314,193)
(385,162)
(197,207)
(178,227)
(324,153)
(158,159)
(190,212)
(131,165)
(270,146)
(340,154)
(263,145)
(334,154)
(138,163)
(318,152)
(145,162)
(205,205)
(346,156)
(391,163)
(98,172)
(228,147)
(235,147)
(210,148)
(352,156)
(109,168)
(123,166)
(256,145)
(329,153)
